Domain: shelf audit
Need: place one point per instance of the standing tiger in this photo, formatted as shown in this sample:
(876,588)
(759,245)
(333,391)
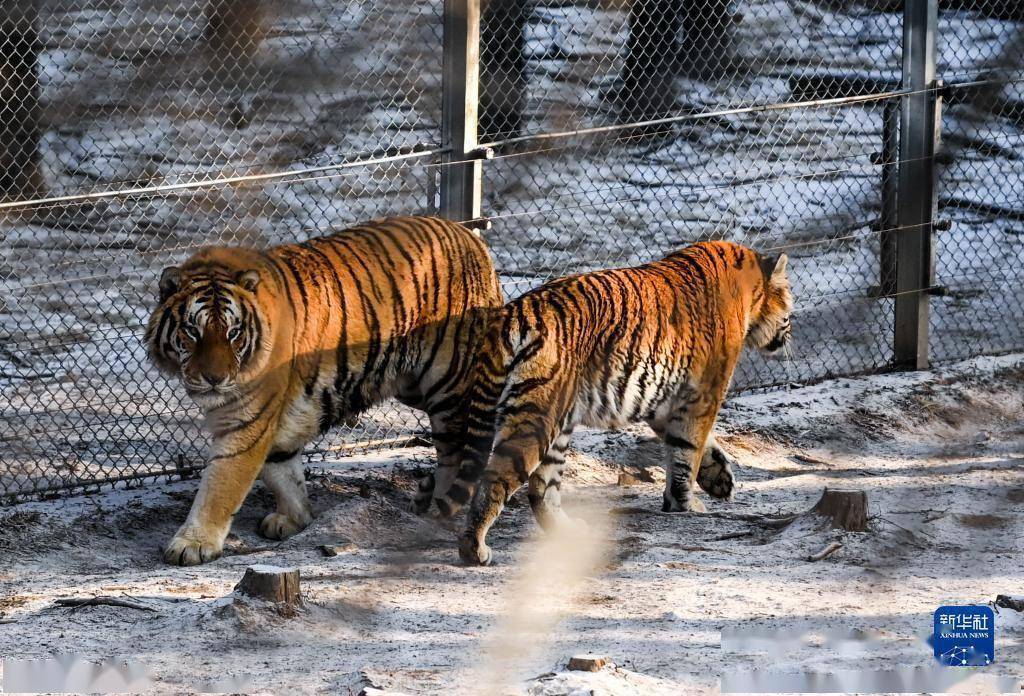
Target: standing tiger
(657,343)
(276,346)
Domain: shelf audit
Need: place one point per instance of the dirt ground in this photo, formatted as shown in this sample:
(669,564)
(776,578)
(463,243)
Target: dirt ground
(677,602)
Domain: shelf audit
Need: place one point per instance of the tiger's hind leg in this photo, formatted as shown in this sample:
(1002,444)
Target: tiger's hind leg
(546,485)
(286,477)
(480,411)
(715,475)
(530,426)
(513,461)
(447,429)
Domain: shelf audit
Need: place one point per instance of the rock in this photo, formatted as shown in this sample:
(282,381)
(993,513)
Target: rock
(331,550)
(635,478)
(1010,602)
(588,663)
(628,479)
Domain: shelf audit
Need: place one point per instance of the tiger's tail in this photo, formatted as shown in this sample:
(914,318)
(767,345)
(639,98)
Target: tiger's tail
(490,371)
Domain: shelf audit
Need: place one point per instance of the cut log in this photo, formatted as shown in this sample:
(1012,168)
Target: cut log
(588,663)
(847,509)
(272,584)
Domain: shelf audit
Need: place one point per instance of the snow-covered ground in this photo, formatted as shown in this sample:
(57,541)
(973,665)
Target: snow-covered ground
(129,100)
(675,601)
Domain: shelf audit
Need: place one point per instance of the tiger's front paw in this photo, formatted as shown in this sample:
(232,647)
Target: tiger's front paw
(690,503)
(278,527)
(191,547)
(473,552)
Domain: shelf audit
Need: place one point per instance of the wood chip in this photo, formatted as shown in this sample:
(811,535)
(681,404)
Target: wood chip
(808,459)
(825,552)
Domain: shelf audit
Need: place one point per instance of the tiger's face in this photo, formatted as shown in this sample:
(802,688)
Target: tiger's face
(208,328)
(770,329)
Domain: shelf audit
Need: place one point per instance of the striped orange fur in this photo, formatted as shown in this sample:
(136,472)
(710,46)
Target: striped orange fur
(278,345)
(655,343)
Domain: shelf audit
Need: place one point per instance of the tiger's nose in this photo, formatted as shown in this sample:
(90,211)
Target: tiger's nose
(213,380)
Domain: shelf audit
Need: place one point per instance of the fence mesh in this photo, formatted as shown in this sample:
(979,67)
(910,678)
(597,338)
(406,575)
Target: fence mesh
(182,98)
(978,259)
(621,131)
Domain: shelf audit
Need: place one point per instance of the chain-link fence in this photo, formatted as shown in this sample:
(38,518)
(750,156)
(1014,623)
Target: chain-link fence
(133,132)
(979,250)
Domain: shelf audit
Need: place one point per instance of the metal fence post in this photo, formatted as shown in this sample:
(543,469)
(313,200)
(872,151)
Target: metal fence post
(460,186)
(916,196)
(888,220)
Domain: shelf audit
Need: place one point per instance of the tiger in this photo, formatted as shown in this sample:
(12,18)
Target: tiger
(276,346)
(655,343)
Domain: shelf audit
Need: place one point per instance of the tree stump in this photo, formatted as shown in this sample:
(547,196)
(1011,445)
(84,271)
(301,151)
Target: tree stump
(588,663)
(847,509)
(272,584)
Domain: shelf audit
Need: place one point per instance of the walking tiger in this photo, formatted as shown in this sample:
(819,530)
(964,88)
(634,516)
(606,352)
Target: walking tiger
(277,346)
(656,343)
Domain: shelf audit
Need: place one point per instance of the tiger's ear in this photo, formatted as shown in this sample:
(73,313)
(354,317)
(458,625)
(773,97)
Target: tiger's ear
(248,280)
(170,282)
(779,272)
(774,267)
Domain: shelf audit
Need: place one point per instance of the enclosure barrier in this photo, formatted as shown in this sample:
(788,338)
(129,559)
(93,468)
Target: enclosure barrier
(878,143)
